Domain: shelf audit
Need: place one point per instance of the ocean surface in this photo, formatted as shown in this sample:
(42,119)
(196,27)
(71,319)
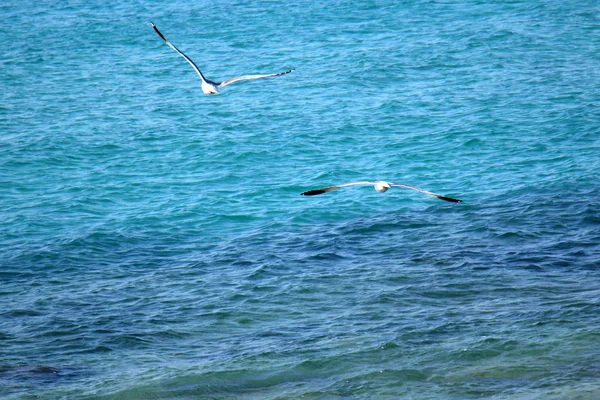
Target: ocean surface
(154,243)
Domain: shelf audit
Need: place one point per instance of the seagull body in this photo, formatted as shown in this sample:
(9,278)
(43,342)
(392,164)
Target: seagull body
(381,187)
(208,86)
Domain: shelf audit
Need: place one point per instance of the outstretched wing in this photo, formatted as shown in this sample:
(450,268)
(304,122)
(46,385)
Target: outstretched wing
(332,188)
(430,194)
(249,77)
(189,60)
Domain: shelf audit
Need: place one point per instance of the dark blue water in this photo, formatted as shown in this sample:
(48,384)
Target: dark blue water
(154,243)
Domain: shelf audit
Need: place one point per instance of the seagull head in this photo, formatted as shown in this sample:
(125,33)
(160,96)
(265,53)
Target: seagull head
(382,186)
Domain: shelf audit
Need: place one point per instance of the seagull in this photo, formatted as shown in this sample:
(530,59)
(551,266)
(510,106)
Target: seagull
(208,86)
(380,186)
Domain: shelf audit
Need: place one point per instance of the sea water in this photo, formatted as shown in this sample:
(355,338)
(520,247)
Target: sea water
(154,243)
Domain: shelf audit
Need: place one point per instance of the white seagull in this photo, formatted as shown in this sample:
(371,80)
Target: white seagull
(380,186)
(208,86)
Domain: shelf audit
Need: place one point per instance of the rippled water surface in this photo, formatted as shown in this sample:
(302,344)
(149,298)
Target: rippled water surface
(154,243)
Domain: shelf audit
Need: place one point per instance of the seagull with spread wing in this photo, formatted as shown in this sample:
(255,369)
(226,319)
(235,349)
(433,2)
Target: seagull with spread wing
(380,186)
(208,86)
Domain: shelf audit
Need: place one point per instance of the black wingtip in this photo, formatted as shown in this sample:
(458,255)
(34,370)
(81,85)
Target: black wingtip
(157,31)
(450,199)
(313,192)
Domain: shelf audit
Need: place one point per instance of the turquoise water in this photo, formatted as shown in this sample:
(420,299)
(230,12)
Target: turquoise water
(154,244)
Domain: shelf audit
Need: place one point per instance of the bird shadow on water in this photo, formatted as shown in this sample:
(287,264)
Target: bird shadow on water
(28,378)
(390,236)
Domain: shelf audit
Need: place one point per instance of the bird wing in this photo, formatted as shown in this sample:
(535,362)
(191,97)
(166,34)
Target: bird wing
(189,60)
(430,194)
(250,77)
(332,188)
